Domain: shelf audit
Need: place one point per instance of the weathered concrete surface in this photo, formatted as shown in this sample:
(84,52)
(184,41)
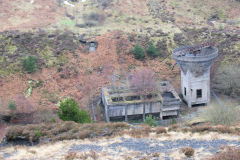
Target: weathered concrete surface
(165,103)
(195,72)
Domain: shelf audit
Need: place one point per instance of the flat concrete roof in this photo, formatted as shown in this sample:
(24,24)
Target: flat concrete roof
(122,94)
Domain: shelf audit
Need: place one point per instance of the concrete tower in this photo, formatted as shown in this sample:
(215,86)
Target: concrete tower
(195,63)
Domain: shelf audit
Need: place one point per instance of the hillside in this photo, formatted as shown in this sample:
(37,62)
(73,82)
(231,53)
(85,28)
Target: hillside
(79,46)
(65,66)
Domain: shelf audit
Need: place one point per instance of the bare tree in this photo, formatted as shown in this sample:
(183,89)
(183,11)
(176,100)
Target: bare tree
(24,112)
(143,82)
(23,105)
(227,80)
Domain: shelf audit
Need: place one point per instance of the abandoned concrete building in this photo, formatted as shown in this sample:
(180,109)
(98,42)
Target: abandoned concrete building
(125,103)
(195,63)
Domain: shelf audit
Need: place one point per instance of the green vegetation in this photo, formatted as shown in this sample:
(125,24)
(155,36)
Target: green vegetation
(69,111)
(220,115)
(29,64)
(38,132)
(152,50)
(138,52)
(151,121)
(53,120)
(173,121)
(227,80)
(12,105)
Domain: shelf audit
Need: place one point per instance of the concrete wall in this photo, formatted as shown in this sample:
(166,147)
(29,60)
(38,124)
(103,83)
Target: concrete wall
(192,84)
(164,106)
(133,109)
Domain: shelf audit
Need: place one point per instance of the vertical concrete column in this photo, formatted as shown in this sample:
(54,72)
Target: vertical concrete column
(182,86)
(208,88)
(106,113)
(126,113)
(144,114)
(189,93)
(160,115)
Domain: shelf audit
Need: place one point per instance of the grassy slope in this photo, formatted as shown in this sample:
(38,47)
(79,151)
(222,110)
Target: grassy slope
(168,23)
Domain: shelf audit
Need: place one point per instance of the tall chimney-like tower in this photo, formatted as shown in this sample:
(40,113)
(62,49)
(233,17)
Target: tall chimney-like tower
(195,63)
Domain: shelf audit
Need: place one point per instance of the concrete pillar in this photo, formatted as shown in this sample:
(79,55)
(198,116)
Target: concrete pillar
(106,113)
(189,93)
(209,88)
(126,113)
(160,115)
(144,114)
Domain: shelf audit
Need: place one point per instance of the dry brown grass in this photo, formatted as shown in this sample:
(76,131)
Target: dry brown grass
(201,128)
(92,154)
(71,156)
(136,132)
(209,128)
(188,151)
(160,130)
(229,153)
(173,127)
(63,131)
(223,129)
(140,132)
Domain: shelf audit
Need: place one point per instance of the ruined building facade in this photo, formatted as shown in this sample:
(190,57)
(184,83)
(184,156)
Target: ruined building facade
(195,63)
(125,103)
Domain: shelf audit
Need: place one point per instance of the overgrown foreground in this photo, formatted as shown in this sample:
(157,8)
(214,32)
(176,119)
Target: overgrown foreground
(69,140)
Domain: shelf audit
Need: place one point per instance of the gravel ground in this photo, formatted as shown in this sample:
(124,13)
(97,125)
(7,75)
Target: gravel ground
(148,145)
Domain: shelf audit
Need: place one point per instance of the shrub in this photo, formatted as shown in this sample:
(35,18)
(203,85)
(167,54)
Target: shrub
(227,80)
(188,151)
(152,50)
(44,116)
(160,130)
(223,129)
(173,121)
(230,153)
(220,115)
(151,121)
(139,132)
(202,128)
(69,111)
(12,105)
(138,52)
(38,132)
(71,156)
(84,117)
(62,131)
(29,64)
(173,127)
